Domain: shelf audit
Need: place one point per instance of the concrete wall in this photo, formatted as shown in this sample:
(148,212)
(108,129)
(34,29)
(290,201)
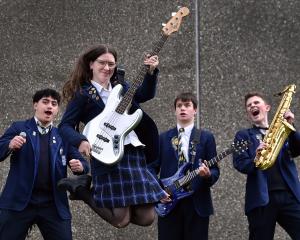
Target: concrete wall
(240,45)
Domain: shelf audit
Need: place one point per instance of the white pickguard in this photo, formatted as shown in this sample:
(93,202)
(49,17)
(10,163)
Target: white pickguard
(107,131)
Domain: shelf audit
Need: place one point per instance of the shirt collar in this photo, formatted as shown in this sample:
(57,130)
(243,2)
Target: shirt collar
(100,88)
(42,128)
(187,130)
(260,128)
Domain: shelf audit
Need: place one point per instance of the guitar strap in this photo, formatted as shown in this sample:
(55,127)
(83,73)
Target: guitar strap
(118,77)
(195,141)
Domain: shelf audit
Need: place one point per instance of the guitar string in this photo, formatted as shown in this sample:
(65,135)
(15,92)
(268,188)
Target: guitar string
(236,146)
(184,180)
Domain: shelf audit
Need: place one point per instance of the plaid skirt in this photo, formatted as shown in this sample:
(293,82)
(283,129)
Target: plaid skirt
(129,183)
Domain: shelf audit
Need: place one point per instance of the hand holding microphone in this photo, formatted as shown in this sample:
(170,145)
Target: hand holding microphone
(17,142)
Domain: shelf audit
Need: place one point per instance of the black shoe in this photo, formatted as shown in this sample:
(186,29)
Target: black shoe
(74,196)
(72,183)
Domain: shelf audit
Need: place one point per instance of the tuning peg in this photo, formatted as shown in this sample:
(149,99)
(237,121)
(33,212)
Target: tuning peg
(173,14)
(163,24)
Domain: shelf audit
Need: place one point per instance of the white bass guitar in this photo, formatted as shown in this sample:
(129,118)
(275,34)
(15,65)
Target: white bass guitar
(107,131)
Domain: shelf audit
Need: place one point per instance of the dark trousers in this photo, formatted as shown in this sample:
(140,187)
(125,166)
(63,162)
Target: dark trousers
(282,208)
(183,223)
(14,225)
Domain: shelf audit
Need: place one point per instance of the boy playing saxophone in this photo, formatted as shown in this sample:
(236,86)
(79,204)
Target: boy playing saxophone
(272,195)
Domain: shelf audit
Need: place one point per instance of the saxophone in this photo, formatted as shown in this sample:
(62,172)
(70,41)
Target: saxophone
(278,132)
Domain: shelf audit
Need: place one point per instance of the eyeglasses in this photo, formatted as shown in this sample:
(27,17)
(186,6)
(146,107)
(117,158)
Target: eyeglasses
(111,65)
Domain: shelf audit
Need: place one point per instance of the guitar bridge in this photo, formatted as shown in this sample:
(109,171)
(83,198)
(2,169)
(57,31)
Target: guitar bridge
(177,184)
(97,149)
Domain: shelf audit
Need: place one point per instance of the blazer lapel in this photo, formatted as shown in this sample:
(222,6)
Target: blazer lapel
(173,139)
(55,144)
(33,138)
(90,91)
(256,135)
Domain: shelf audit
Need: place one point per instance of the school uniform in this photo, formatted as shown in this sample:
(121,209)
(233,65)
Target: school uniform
(190,217)
(127,182)
(272,195)
(30,194)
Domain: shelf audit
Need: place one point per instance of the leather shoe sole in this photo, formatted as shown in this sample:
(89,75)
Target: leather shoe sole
(72,183)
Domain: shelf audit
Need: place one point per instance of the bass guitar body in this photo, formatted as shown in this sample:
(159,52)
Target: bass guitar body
(107,131)
(171,186)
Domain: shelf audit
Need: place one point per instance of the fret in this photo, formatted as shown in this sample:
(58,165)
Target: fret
(187,178)
(218,158)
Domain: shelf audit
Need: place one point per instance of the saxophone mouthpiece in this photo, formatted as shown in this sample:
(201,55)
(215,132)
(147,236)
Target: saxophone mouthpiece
(277,94)
(280,93)
(291,88)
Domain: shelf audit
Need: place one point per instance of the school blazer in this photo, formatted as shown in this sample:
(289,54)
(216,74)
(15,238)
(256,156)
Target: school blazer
(167,165)
(24,164)
(87,104)
(256,186)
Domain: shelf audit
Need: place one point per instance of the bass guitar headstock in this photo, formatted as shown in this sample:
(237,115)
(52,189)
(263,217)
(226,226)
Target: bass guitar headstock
(174,23)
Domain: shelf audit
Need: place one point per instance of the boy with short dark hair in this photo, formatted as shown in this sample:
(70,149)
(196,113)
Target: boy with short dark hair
(38,160)
(189,219)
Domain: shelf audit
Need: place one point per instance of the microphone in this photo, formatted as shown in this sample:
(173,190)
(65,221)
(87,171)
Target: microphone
(22,134)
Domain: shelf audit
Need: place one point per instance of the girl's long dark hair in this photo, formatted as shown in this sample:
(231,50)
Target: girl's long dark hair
(82,73)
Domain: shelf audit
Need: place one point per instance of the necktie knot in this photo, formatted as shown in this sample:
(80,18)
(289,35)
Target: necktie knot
(42,129)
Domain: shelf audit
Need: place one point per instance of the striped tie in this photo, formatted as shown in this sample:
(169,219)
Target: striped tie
(43,130)
(180,147)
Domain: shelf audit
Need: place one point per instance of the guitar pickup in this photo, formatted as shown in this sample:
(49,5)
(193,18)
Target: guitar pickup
(104,139)
(110,126)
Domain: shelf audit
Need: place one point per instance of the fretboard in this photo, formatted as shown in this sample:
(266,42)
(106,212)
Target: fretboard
(191,175)
(127,98)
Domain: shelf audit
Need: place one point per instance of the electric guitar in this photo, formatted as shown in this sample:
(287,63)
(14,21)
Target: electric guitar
(107,131)
(178,184)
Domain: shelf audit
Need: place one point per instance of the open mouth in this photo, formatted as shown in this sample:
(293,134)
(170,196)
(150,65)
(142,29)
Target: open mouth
(255,112)
(48,113)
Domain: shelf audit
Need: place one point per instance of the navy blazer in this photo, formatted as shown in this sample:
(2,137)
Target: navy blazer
(167,165)
(87,104)
(24,165)
(256,187)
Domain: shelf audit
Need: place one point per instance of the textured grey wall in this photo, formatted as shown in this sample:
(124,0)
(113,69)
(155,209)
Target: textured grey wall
(244,45)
